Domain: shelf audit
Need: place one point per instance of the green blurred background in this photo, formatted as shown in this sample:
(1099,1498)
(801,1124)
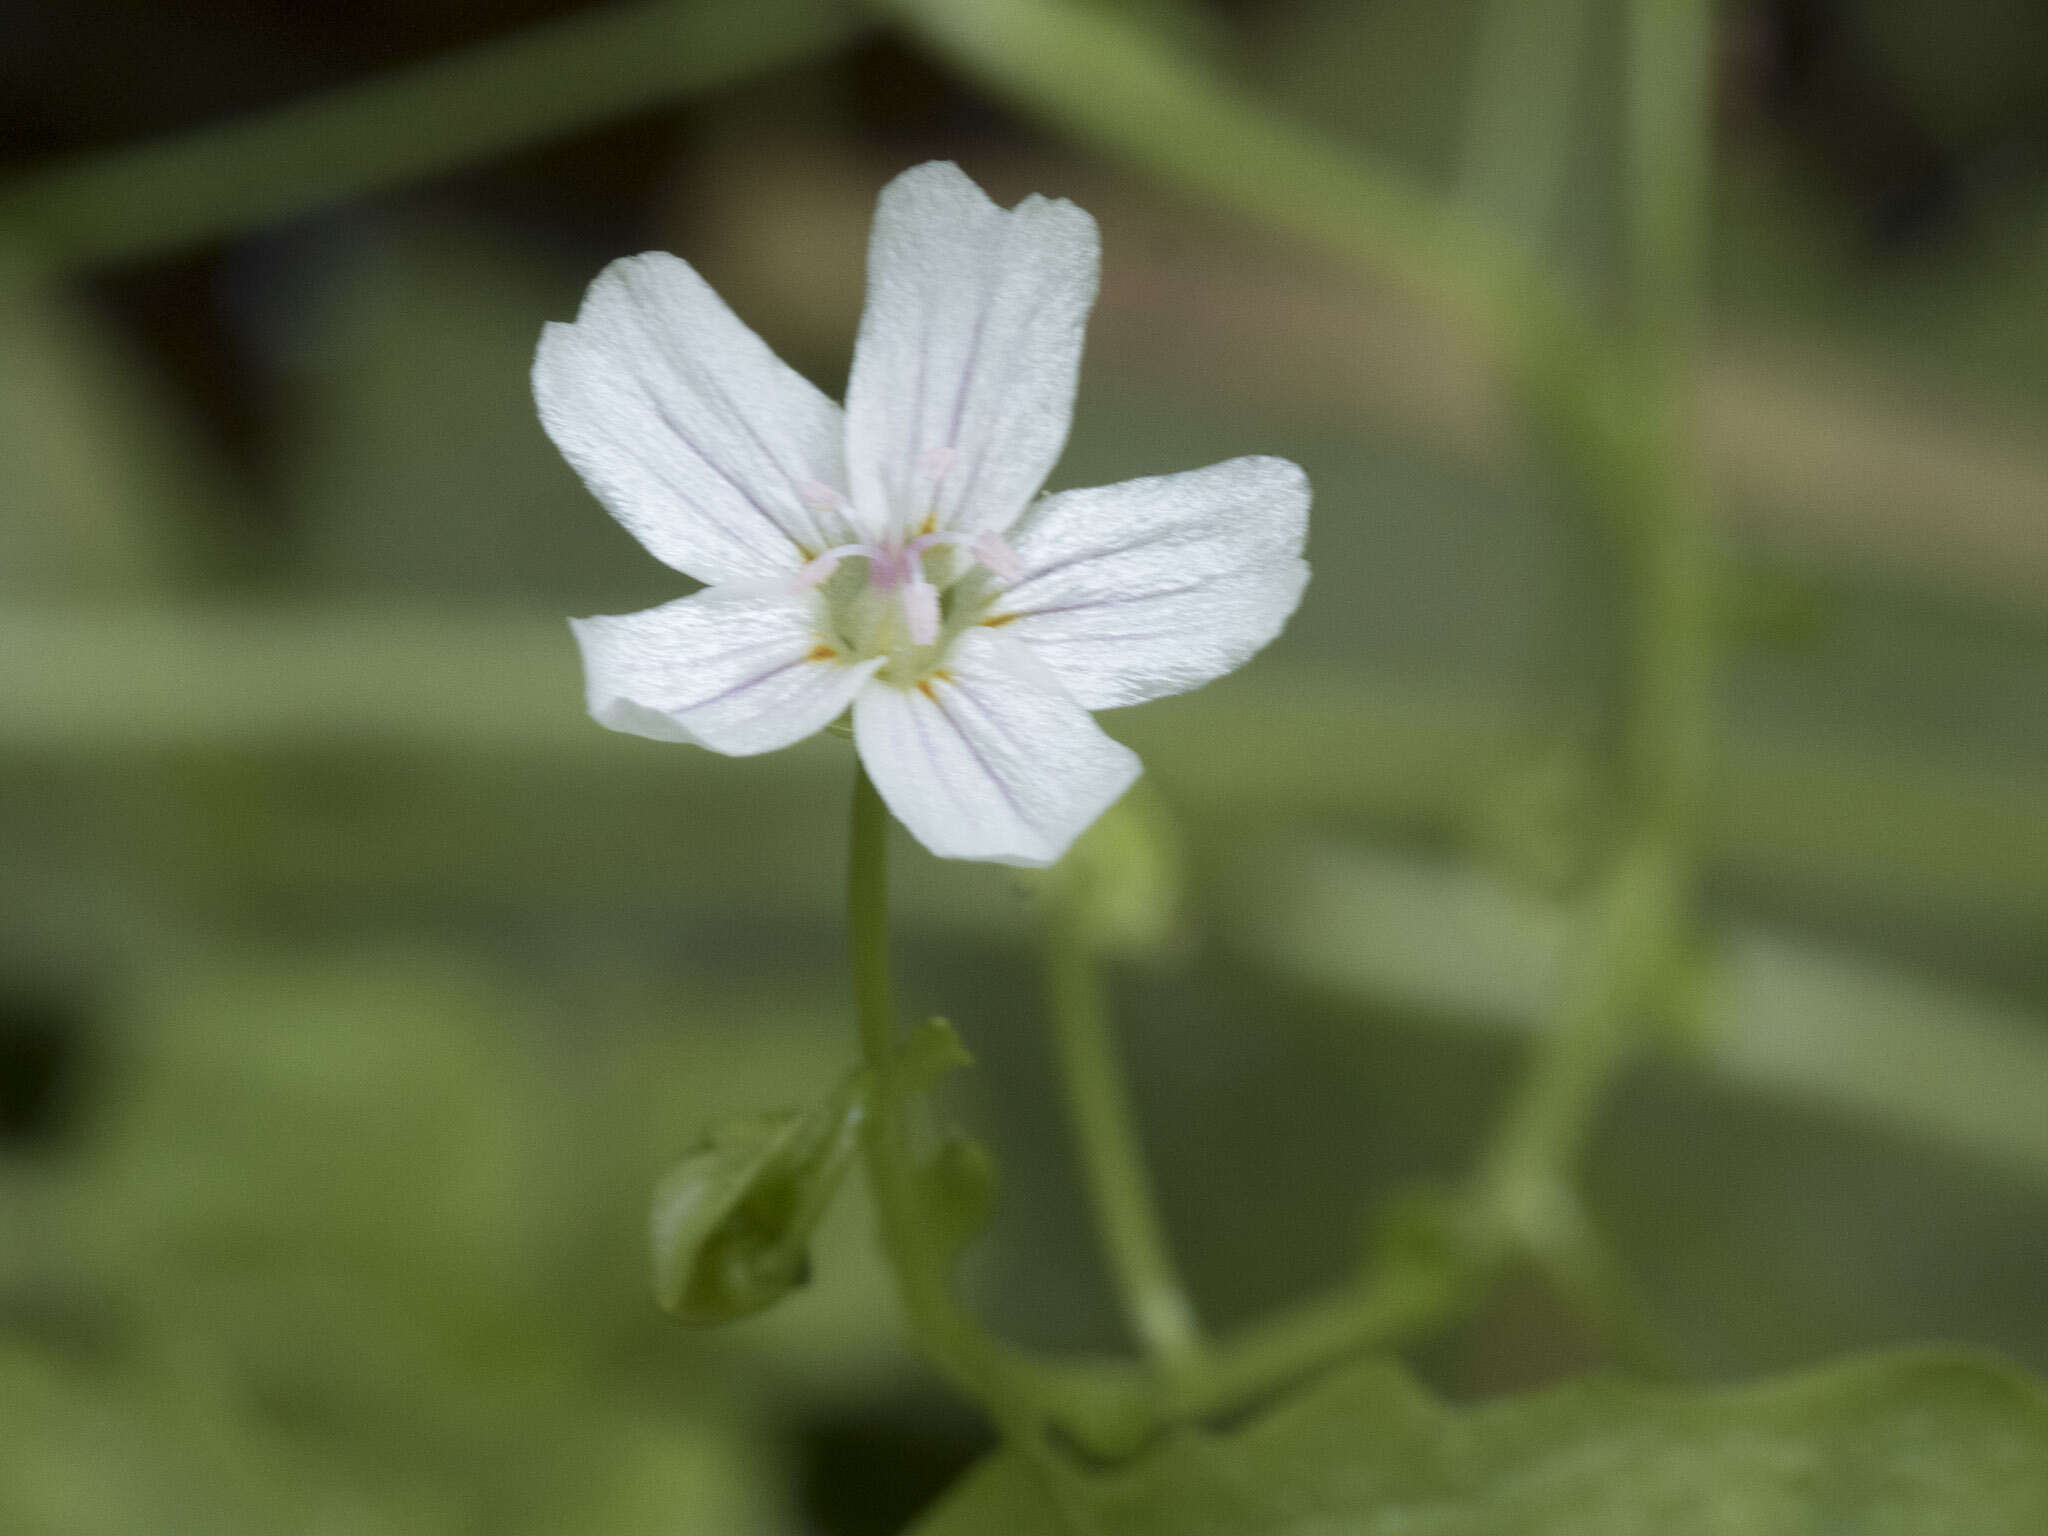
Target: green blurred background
(354,988)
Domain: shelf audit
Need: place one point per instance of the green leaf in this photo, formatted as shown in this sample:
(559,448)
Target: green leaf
(1917,1444)
(732,1222)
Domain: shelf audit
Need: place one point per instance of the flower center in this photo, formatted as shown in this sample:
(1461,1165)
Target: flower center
(913,596)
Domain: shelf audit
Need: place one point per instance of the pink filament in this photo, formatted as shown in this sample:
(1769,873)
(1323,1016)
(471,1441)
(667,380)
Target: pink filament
(899,568)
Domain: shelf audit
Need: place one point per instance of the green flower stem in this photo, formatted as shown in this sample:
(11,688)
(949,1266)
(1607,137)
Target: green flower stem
(976,1363)
(1626,929)
(1615,413)
(1386,1312)
(867,916)
(1629,935)
(1589,1275)
(1154,1300)
(407,123)
(1109,1407)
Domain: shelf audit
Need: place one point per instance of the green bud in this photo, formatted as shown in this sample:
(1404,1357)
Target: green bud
(1123,877)
(732,1222)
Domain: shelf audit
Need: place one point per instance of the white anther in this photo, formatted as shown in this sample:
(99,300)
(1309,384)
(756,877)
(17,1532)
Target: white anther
(921,610)
(933,463)
(993,551)
(820,497)
(817,572)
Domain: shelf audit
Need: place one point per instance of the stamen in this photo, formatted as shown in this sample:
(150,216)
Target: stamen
(921,610)
(993,551)
(889,568)
(933,463)
(817,572)
(897,570)
(820,497)
(988,549)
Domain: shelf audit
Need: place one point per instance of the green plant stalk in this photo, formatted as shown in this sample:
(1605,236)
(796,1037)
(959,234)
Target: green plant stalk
(408,123)
(976,1363)
(1149,1287)
(1640,462)
(1390,1311)
(1110,1407)
(1625,929)
(1669,50)
(1614,410)
(1518,131)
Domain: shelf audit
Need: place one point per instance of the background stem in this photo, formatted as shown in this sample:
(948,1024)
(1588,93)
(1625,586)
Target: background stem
(1640,466)
(407,123)
(1153,1297)
(1528,60)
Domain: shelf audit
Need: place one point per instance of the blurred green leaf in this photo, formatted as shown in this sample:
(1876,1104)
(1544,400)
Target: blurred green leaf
(1922,1444)
(353,1245)
(732,1222)
(98,1451)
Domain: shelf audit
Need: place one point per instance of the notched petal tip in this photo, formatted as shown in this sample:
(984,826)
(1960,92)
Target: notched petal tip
(1067,217)
(969,345)
(662,269)
(936,178)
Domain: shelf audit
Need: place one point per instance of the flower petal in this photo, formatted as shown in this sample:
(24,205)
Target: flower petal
(989,759)
(738,669)
(682,422)
(1135,591)
(963,376)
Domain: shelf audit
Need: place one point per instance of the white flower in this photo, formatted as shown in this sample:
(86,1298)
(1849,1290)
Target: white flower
(896,559)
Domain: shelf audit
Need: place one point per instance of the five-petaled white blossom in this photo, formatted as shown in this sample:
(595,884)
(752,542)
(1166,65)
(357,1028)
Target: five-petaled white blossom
(898,559)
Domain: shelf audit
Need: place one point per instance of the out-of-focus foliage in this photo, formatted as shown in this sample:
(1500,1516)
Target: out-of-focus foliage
(1906,1445)
(355,990)
(362,1270)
